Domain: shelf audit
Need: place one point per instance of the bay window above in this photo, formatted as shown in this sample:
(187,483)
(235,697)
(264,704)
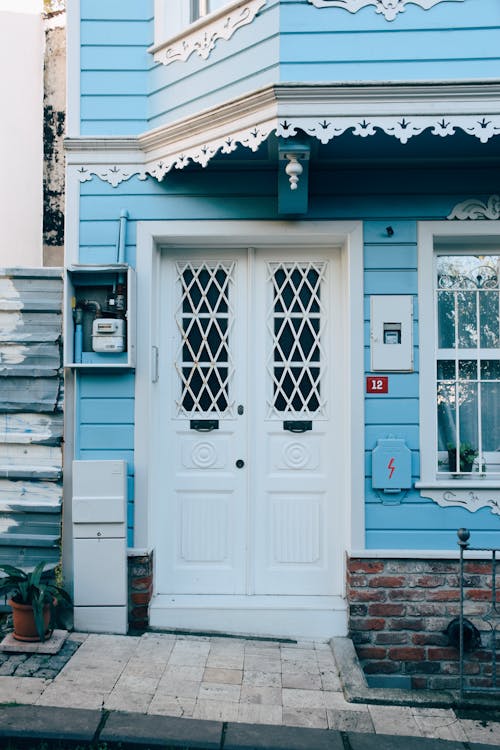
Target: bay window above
(186,26)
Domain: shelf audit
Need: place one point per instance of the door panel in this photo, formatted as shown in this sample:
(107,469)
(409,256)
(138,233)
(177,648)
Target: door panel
(203,510)
(293,448)
(248,503)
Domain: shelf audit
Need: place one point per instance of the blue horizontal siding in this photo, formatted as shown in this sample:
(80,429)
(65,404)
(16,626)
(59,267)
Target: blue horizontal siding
(115,82)
(116,10)
(390,47)
(132,33)
(115,36)
(390,257)
(98,411)
(106,437)
(403,539)
(398,71)
(94,385)
(409,433)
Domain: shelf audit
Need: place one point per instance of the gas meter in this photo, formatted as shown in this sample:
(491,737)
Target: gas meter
(108,335)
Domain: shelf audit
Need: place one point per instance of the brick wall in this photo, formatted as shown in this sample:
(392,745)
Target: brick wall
(398,610)
(140,589)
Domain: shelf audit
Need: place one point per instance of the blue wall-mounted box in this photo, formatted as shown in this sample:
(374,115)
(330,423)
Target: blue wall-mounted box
(391,465)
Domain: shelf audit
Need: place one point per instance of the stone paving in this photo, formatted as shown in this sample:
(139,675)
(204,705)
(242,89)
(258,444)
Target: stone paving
(224,679)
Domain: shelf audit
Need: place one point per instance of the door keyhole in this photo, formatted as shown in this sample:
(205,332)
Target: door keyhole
(240,463)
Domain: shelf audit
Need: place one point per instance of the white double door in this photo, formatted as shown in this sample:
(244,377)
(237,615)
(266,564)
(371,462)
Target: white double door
(249,446)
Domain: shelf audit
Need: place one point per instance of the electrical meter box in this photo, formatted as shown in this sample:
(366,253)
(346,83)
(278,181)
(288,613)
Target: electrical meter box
(391,333)
(391,465)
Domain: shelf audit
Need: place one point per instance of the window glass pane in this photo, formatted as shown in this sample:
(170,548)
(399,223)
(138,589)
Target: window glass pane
(446,369)
(489,328)
(446,407)
(200,8)
(467,369)
(490,369)
(468,413)
(467,320)
(490,416)
(446,320)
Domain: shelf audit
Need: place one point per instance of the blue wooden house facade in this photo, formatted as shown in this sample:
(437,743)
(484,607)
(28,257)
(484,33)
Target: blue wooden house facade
(283,306)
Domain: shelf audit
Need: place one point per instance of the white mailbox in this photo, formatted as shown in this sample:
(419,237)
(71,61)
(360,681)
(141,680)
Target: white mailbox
(391,333)
(100,545)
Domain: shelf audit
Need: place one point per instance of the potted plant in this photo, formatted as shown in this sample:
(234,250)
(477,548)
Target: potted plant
(467,455)
(32,600)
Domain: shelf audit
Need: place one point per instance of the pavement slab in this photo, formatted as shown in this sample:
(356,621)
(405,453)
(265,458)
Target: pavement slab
(162,731)
(28,722)
(389,742)
(262,737)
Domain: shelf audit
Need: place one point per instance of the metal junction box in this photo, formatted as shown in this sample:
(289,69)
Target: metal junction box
(391,465)
(391,333)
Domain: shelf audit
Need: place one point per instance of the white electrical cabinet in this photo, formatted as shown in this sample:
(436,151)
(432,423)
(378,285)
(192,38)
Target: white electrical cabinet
(391,333)
(100,546)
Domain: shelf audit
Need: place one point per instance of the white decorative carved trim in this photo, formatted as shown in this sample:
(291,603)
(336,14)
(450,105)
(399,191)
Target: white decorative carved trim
(401,127)
(388,8)
(469,498)
(475,209)
(201,36)
(362,110)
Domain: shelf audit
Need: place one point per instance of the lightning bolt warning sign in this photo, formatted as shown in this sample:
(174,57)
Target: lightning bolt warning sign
(391,468)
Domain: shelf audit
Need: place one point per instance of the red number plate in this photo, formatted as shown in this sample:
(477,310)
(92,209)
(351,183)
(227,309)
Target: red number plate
(378,384)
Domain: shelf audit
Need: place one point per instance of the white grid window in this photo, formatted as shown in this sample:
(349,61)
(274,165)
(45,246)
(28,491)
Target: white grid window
(467,368)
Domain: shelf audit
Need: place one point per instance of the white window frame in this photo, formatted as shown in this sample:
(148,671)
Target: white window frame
(443,234)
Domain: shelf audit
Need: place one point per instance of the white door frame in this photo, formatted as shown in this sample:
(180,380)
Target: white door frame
(348,237)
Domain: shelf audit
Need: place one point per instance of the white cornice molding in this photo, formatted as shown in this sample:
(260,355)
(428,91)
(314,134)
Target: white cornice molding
(474,209)
(202,36)
(472,499)
(388,8)
(322,112)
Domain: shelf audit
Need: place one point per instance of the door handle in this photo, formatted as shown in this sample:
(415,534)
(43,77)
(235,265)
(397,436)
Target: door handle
(204,425)
(297,426)
(240,463)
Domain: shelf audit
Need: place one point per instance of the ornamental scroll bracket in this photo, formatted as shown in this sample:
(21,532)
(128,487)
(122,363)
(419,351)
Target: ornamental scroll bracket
(470,499)
(388,8)
(201,37)
(475,209)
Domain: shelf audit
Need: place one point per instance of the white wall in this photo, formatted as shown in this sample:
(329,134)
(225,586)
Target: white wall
(21,133)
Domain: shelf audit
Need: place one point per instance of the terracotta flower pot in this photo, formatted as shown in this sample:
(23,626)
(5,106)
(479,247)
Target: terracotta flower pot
(24,622)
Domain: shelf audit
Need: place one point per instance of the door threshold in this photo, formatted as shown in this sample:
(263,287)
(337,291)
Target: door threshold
(308,617)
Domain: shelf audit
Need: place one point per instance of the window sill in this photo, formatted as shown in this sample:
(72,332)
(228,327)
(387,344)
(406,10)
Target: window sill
(202,35)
